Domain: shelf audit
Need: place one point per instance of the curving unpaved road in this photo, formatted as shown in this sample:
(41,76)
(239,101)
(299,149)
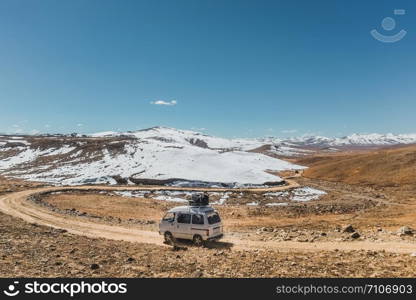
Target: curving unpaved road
(16,204)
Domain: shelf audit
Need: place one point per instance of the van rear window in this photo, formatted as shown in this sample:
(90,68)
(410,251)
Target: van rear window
(214,218)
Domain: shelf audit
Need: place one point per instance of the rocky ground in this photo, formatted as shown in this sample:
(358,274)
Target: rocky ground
(313,221)
(14,185)
(33,250)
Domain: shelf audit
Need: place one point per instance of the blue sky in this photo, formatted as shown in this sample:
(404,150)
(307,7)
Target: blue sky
(231,67)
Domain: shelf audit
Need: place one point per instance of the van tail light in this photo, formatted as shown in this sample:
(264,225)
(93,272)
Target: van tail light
(207,231)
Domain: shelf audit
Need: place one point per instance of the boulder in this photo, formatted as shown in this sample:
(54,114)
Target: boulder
(348,228)
(130,260)
(198,273)
(405,230)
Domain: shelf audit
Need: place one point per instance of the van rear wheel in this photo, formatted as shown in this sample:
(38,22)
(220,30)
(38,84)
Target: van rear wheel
(168,238)
(197,240)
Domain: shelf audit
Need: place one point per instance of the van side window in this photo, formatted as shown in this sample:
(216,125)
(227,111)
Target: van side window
(184,218)
(198,219)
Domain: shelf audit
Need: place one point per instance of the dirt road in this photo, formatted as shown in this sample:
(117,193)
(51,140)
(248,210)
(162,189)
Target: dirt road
(16,204)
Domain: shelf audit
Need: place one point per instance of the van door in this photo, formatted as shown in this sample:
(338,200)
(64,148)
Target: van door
(168,223)
(183,226)
(215,224)
(198,225)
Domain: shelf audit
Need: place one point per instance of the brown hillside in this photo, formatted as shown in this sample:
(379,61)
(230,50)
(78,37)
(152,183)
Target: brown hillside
(385,167)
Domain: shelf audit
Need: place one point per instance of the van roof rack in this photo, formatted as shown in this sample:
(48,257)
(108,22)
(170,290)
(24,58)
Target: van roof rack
(199,199)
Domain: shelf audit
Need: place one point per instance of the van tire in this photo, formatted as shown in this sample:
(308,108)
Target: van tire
(198,241)
(169,238)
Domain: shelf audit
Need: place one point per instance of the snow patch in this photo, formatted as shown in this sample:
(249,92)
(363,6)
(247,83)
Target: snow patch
(306,194)
(277,204)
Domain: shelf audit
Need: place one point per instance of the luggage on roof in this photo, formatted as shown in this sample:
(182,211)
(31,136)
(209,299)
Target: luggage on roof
(199,200)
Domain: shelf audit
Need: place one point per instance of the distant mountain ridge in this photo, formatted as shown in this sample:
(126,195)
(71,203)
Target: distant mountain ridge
(307,140)
(357,139)
(166,154)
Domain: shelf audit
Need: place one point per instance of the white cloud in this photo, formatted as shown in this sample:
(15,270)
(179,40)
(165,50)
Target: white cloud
(162,102)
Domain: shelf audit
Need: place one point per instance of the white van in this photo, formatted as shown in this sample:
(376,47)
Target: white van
(196,223)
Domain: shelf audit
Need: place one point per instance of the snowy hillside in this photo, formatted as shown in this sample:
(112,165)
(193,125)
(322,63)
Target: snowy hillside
(186,137)
(157,154)
(165,154)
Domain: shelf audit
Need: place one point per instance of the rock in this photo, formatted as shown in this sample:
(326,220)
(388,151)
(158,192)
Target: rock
(323,234)
(197,274)
(120,180)
(94,266)
(405,230)
(355,235)
(198,142)
(348,228)
(130,259)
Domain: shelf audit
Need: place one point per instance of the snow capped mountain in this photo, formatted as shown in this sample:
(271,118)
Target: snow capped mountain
(376,139)
(373,139)
(186,137)
(246,144)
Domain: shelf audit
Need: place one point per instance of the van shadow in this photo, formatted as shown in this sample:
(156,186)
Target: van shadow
(219,245)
